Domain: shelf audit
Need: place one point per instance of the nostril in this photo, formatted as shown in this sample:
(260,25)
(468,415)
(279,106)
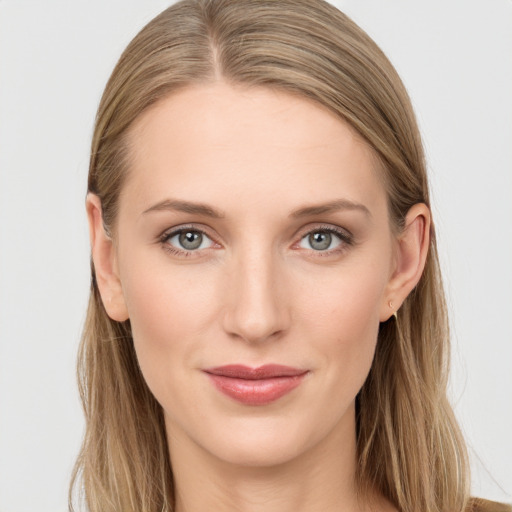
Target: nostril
(253,330)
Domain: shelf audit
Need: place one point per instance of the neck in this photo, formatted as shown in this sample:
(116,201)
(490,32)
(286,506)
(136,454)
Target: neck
(320,479)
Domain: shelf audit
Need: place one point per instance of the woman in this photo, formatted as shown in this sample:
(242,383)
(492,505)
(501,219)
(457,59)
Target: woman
(266,328)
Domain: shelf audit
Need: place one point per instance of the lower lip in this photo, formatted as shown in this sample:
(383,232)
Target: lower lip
(256,392)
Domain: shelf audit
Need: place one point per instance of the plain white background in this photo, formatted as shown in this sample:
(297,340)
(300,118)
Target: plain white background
(55,57)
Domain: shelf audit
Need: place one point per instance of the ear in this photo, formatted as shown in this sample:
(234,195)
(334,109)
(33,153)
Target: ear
(411,255)
(105,264)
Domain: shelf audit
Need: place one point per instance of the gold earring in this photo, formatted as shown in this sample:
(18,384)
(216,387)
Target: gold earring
(394,311)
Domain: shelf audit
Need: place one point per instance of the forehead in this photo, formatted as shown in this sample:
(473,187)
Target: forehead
(207,140)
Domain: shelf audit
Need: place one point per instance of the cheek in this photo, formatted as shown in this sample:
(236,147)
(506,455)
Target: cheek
(162,296)
(344,321)
(170,309)
(344,300)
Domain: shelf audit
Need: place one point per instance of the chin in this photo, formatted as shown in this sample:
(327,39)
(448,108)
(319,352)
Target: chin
(263,440)
(259,449)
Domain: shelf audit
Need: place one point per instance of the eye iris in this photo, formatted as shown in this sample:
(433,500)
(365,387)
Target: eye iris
(190,240)
(320,240)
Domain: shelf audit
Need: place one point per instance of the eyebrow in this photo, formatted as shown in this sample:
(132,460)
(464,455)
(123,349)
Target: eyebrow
(330,207)
(208,211)
(186,207)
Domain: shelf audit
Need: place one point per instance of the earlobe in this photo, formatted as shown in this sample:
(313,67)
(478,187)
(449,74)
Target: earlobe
(412,249)
(105,265)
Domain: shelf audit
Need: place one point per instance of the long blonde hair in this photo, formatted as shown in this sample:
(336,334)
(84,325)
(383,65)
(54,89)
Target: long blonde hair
(409,445)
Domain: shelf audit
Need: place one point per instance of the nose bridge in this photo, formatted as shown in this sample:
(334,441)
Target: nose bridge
(256,306)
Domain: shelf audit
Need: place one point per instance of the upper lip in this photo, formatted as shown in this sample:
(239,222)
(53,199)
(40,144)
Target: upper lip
(267,371)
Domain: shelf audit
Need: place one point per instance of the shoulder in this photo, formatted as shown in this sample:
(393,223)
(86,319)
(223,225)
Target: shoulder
(481,505)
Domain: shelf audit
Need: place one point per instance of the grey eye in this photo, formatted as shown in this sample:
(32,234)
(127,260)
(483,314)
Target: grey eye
(320,241)
(189,240)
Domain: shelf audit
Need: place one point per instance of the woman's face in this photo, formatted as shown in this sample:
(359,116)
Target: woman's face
(253,230)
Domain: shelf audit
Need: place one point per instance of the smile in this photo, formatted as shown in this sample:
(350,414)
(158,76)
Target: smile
(255,386)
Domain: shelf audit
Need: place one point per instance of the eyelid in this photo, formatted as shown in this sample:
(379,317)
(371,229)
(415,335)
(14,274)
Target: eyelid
(169,233)
(343,233)
(345,236)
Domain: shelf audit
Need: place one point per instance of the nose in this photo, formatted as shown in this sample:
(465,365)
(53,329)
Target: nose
(256,306)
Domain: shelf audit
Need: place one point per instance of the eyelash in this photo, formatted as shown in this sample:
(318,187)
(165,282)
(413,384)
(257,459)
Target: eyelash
(165,237)
(346,240)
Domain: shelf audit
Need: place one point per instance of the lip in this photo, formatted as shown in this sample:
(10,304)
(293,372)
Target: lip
(255,386)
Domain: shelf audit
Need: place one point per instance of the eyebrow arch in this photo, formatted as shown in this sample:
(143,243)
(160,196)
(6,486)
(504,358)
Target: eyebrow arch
(186,207)
(330,207)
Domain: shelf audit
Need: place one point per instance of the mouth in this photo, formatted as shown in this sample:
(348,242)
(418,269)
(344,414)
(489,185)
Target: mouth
(255,386)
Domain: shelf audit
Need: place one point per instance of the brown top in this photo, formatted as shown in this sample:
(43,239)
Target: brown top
(481,505)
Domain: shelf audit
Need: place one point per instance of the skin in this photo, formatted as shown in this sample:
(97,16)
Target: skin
(256,291)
